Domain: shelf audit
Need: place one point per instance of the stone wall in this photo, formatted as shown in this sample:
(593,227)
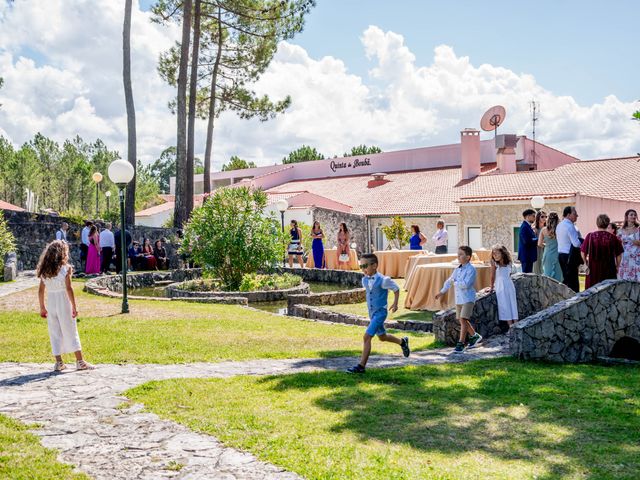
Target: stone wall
(330,220)
(428,226)
(357,295)
(341,277)
(499,219)
(177,291)
(533,292)
(582,328)
(33,231)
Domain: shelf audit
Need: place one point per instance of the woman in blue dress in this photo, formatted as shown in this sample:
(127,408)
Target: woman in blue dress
(317,247)
(295,246)
(417,240)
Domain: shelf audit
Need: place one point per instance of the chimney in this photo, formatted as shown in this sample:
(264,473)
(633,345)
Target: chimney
(470,147)
(506,153)
(378,179)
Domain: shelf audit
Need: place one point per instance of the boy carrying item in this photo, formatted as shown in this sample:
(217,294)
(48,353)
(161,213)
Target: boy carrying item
(464,279)
(377,287)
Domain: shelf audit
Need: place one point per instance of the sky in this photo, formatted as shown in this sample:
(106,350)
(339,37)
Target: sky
(398,75)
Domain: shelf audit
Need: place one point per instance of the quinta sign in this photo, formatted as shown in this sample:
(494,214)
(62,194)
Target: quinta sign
(355,163)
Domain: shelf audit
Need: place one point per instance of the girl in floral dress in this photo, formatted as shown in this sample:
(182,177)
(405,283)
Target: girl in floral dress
(629,235)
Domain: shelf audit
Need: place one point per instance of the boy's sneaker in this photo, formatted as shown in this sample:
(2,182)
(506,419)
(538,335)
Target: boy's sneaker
(356,369)
(406,351)
(473,341)
(459,348)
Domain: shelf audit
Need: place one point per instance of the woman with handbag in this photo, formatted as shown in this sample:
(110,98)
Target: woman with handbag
(343,247)
(295,246)
(601,252)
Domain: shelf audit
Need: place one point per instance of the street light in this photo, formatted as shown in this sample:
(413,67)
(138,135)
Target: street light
(282,205)
(537,202)
(121,173)
(97,177)
(108,195)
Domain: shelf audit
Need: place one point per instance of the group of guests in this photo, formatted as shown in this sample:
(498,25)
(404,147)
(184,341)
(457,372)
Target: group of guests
(343,248)
(440,238)
(555,248)
(99,248)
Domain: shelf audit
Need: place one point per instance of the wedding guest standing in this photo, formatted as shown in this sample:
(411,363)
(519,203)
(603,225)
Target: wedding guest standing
(417,240)
(601,252)
(84,245)
(107,244)
(569,242)
(538,225)
(93,255)
(62,233)
(161,255)
(317,245)
(528,242)
(612,228)
(295,245)
(344,238)
(629,235)
(550,263)
(440,238)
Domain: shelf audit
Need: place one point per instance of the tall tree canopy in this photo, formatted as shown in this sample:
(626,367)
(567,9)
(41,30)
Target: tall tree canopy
(303,154)
(362,150)
(237,163)
(237,41)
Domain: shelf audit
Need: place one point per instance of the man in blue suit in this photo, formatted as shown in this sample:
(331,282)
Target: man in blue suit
(528,244)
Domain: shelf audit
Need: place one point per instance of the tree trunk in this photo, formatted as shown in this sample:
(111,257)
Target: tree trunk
(193,92)
(181,213)
(130,206)
(212,112)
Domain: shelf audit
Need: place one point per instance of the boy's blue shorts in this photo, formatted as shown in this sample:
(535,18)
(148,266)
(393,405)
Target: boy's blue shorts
(376,324)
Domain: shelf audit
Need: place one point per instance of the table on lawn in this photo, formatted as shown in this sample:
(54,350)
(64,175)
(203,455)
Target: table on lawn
(331,259)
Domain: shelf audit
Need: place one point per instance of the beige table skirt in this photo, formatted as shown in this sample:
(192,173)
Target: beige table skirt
(428,280)
(393,263)
(413,262)
(331,260)
(483,255)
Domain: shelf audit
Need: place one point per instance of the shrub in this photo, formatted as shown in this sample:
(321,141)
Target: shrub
(397,233)
(253,281)
(7,242)
(229,236)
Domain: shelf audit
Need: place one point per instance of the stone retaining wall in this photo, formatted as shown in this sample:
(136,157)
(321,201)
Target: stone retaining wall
(33,231)
(341,277)
(328,298)
(533,292)
(582,328)
(322,314)
(10,272)
(174,291)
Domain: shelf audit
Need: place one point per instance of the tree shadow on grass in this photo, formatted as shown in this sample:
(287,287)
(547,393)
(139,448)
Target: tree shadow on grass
(571,419)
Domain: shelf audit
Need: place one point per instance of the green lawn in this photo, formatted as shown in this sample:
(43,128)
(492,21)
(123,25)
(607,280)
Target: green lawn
(401,314)
(488,419)
(179,332)
(23,458)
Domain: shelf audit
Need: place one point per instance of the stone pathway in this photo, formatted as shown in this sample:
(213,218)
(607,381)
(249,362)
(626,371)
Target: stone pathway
(25,280)
(79,415)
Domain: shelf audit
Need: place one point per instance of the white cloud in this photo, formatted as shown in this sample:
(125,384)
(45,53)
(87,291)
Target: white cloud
(62,64)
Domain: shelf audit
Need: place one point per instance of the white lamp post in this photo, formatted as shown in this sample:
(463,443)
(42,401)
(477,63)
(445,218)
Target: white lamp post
(121,173)
(108,195)
(282,205)
(537,202)
(97,178)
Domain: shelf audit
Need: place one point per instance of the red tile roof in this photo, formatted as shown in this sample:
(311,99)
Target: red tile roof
(8,206)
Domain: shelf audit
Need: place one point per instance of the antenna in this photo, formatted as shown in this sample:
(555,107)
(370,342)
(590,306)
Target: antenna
(492,119)
(535,111)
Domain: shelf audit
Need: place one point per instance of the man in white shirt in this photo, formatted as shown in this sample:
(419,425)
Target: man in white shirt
(84,245)
(440,238)
(62,233)
(568,248)
(107,243)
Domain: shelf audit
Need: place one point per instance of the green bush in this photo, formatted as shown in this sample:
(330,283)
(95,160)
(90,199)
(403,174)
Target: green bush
(230,236)
(397,233)
(252,282)
(7,243)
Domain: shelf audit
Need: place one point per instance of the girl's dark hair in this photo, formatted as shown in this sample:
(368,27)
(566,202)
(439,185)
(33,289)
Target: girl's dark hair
(295,222)
(504,252)
(314,225)
(344,228)
(626,218)
(538,217)
(53,257)
(552,223)
(416,228)
(93,230)
(613,227)
(157,242)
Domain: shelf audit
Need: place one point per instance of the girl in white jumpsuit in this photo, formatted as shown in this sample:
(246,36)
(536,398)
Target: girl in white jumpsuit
(60,311)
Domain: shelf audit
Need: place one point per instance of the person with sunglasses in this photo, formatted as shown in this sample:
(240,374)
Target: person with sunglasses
(377,287)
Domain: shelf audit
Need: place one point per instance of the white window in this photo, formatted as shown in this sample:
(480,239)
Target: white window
(474,236)
(452,237)
(380,240)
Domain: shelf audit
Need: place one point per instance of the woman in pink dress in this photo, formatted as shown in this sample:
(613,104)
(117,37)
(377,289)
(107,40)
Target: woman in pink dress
(93,255)
(629,235)
(343,247)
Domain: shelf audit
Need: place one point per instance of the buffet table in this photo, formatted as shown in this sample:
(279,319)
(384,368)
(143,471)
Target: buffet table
(331,259)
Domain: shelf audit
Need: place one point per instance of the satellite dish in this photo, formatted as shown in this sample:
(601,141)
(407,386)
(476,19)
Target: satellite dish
(493,118)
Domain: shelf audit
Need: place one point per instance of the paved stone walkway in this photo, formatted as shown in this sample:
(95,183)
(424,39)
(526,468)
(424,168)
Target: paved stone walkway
(25,280)
(79,415)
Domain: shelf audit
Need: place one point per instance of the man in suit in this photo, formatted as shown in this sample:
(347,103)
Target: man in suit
(528,242)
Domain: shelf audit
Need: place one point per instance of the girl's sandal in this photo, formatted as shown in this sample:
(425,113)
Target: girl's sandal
(82,365)
(59,366)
